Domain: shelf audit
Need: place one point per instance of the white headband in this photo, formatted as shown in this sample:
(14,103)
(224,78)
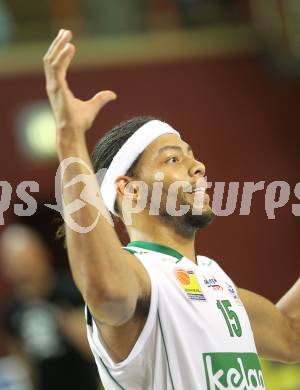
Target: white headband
(126,156)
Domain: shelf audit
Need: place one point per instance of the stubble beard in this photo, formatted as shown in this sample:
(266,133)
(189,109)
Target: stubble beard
(187,224)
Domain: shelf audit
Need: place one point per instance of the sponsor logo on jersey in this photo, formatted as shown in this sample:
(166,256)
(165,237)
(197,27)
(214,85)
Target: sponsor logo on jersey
(233,371)
(188,281)
(233,293)
(212,283)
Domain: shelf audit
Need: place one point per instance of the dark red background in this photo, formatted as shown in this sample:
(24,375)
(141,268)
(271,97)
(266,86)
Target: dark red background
(242,123)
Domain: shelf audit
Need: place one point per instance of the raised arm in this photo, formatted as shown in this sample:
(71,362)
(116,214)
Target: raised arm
(110,279)
(276,328)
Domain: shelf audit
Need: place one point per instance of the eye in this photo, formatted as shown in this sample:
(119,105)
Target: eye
(172,159)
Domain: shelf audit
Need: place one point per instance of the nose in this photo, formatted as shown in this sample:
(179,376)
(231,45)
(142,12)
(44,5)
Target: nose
(197,169)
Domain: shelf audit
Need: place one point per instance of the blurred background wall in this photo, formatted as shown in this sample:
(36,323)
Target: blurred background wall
(225,73)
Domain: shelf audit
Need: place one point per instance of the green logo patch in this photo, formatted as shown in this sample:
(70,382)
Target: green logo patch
(233,371)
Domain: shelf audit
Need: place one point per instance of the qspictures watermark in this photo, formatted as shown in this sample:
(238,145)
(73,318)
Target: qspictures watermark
(225,198)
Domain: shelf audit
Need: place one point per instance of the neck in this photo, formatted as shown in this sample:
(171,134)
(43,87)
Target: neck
(160,232)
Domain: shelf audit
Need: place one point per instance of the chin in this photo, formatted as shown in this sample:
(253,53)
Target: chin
(201,219)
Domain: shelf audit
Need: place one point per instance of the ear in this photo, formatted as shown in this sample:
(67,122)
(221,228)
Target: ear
(125,187)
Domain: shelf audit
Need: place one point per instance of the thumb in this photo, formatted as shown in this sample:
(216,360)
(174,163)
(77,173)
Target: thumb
(101,99)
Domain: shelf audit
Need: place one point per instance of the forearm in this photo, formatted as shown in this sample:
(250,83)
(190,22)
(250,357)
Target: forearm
(99,265)
(97,260)
(289,306)
(275,337)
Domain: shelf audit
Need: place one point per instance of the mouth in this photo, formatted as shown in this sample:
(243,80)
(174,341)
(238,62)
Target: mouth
(197,190)
(201,193)
(200,190)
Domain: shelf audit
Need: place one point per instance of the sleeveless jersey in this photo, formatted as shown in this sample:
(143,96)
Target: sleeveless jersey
(197,335)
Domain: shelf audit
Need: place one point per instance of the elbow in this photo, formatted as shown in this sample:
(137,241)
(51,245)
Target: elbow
(95,295)
(291,357)
(110,296)
(294,342)
(110,306)
(291,354)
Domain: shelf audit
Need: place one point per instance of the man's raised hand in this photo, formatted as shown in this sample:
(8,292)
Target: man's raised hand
(73,116)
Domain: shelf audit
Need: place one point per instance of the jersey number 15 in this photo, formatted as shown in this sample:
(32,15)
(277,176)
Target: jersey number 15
(231,318)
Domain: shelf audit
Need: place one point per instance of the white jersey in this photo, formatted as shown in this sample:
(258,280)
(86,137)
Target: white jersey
(197,335)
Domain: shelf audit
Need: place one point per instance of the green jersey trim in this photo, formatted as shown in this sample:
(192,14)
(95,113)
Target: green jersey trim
(130,250)
(157,248)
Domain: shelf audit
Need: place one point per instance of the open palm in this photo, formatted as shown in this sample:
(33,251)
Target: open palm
(71,114)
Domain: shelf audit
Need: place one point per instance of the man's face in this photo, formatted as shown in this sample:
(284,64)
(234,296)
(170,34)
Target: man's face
(24,261)
(183,181)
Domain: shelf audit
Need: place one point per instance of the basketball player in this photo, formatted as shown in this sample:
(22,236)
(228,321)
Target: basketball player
(158,316)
